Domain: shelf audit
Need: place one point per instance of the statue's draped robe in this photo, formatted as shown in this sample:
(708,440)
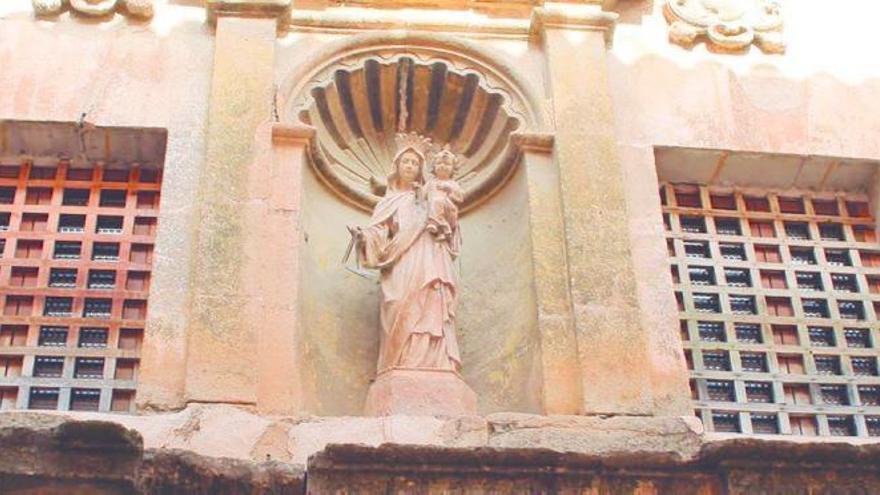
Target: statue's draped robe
(418,280)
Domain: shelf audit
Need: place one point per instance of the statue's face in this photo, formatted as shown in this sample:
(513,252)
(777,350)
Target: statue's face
(443,168)
(408,166)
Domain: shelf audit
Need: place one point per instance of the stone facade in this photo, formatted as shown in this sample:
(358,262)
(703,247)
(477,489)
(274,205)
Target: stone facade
(268,119)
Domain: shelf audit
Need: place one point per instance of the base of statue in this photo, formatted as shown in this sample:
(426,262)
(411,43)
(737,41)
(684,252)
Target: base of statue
(420,392)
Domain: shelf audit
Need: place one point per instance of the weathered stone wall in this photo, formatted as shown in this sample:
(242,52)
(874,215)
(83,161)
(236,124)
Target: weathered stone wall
(821,98)
(138,75)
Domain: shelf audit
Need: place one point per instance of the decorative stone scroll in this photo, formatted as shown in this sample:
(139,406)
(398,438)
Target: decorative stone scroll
(358,105)
(142,9)
(726,25)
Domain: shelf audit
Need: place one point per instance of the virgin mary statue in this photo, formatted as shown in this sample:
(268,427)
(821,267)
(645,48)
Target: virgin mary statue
(418,276)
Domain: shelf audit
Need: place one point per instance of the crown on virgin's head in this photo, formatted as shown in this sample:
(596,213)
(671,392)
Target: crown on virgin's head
(412,140)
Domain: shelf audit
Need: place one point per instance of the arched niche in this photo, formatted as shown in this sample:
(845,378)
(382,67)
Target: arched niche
(357,95)
(366,90)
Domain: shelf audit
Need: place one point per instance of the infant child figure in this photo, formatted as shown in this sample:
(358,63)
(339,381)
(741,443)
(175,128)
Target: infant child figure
(443,194)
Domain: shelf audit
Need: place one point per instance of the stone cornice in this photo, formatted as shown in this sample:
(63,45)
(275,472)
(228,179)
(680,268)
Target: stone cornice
(380,20)
(293,133)
(577,15)
(538,142)
(573,17)
(495,8)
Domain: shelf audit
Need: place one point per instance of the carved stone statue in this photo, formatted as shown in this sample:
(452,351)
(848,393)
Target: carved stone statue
(444,194)
(413,239)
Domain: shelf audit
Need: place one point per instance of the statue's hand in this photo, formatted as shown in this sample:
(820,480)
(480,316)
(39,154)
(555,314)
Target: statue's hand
(355,231)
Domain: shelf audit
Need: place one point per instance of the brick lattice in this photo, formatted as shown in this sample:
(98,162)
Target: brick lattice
(71,324)
(784,340)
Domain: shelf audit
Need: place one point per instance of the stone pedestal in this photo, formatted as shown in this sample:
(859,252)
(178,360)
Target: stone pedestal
(420,392)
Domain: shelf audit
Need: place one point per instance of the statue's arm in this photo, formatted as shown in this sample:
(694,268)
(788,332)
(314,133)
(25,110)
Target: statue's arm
(373,242)
(456,192)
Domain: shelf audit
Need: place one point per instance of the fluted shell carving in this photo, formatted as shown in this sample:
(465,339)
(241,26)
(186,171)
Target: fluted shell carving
(359,110)
(726,25)
(94,8)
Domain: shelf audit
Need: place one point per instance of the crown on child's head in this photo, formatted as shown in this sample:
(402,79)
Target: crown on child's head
(413,141)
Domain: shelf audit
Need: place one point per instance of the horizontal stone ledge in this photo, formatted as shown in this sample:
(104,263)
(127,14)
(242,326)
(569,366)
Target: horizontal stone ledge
(53,452)
(539,454)
(715,457)
(426,20)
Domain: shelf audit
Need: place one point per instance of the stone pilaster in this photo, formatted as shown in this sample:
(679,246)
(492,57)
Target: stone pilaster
(560,370)
(273,266)
(223,343)
(613,341)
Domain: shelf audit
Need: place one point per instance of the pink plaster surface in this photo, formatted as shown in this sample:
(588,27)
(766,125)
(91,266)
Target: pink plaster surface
(116,73)
(821,97)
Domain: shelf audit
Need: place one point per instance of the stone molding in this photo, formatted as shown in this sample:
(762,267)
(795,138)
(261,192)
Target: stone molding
(494,8)
(139,9)
(377,20)
(729,27)
(256,9)
(575,18)
(296,132)
(533,141)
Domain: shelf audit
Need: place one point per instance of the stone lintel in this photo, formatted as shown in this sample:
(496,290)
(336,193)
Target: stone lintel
(712,454)
(260,9)
(721,467)
(725,466)
(574,18)
(83,143)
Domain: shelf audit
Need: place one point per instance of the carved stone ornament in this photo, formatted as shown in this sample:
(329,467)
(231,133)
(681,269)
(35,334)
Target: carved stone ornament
(95,8)
(357,106)
(726,25)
